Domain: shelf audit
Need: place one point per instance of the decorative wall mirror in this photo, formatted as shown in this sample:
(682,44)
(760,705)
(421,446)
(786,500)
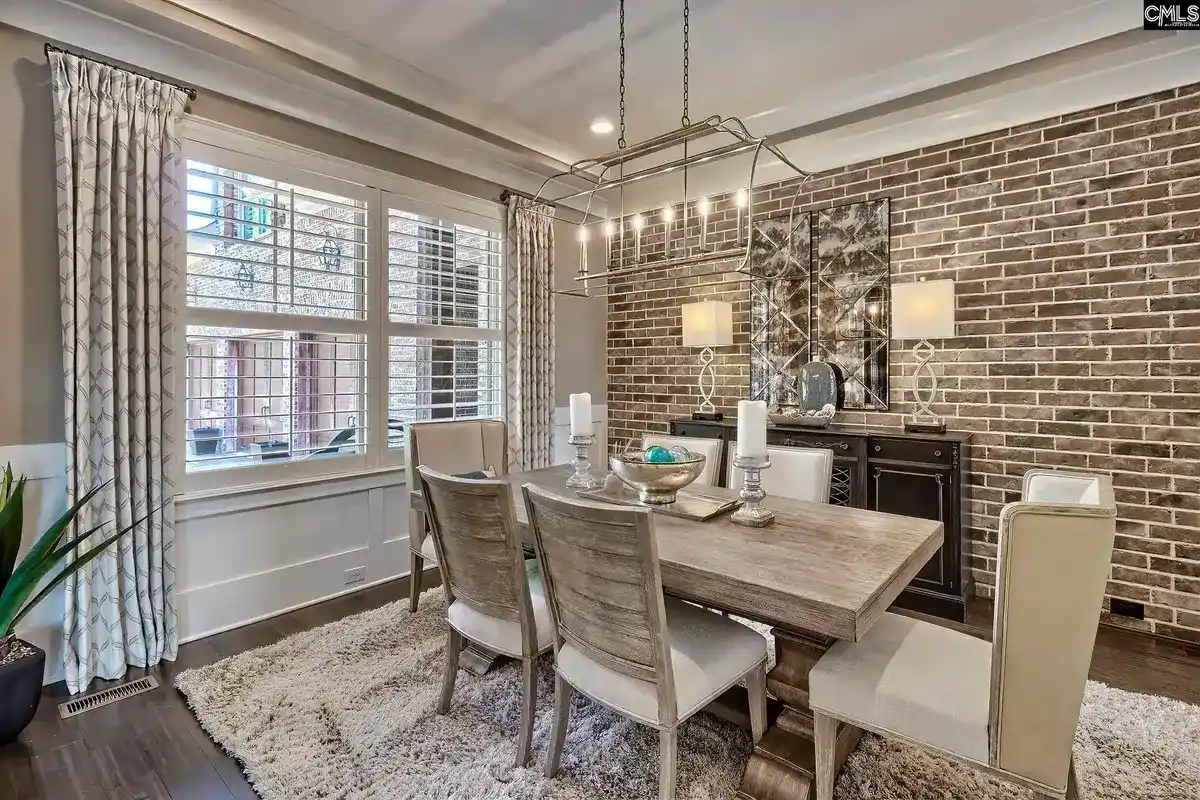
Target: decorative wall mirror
(824,297)
(780,307)
(851,278)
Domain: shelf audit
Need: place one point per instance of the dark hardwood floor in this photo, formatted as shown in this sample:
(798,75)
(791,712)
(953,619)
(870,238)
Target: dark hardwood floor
(149,747)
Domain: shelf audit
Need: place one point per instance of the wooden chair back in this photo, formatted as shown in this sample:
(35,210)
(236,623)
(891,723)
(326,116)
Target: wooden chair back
(1054,561)
(601,576)
(479,551)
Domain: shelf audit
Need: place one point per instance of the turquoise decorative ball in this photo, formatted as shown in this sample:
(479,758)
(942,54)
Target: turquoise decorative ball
(658,455)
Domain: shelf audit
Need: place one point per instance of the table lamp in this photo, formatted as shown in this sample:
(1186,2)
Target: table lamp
(923,310)
(707,324)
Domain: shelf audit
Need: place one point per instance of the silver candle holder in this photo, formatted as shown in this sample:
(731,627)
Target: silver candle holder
(583,478)
(752,514)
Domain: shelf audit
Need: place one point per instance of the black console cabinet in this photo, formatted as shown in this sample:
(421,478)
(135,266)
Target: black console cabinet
(914,474)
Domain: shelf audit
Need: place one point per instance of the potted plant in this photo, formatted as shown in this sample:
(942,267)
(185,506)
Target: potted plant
(22,664)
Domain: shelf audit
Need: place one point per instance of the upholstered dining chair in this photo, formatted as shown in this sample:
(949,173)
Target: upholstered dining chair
(799,473)
(711,449)
(618,641)
(1011,707)
(494,597)
(455,447)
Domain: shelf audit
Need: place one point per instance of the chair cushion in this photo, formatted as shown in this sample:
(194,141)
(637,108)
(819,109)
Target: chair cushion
(709,653)
(920,681)
(799,473)
(428,551)
(502,635)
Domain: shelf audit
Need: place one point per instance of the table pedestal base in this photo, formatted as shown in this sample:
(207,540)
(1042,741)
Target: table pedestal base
(478,660)
(783,766)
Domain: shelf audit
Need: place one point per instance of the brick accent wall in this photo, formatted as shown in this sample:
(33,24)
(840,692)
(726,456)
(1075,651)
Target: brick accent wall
(1075,246)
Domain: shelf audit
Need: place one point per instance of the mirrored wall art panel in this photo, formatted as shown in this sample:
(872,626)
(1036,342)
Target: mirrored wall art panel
(781,255)
(850,284)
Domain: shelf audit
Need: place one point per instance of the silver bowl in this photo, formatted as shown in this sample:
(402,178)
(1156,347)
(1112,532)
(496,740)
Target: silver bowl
(656,482)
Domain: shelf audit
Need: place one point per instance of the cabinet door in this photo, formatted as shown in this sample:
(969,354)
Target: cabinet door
(914,490)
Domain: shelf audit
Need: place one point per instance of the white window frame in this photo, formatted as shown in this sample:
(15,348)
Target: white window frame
(229,147)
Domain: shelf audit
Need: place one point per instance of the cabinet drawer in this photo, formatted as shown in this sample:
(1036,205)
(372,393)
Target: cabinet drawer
(842,446)
(697,429)
(909,450)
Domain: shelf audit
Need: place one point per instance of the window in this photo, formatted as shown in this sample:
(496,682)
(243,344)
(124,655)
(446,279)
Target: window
(323,315)
(444,280)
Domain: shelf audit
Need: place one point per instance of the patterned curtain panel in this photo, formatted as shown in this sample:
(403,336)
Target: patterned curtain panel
(117,159)
(530,330)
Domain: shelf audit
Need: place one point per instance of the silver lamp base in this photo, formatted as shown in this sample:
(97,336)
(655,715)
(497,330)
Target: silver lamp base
(923,420)
(752,514)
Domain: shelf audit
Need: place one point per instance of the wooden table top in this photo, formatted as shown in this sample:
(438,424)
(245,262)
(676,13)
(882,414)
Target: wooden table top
(819,568)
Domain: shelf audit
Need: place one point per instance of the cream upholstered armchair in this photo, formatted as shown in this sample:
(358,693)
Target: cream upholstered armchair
(1010,707)
(800,473)
(711,449)
(455,447)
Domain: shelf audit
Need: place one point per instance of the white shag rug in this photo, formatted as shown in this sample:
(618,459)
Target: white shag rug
(346,711)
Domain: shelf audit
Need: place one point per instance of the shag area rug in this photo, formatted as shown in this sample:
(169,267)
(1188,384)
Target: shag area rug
(347,711)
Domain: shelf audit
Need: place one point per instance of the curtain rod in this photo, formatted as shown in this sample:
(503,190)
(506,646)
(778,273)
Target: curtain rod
(507,193)
(189,91)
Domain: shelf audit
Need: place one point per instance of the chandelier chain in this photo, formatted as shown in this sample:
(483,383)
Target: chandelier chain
(621,138)
(686,29)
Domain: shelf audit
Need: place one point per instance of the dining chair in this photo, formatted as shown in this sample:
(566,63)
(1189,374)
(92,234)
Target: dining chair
(799,473)
(618,641)
(455,447)
(711,449)
(494,597)
(1010,707)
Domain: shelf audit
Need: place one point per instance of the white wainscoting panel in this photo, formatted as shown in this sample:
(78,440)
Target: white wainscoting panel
(244,556)
(45,467)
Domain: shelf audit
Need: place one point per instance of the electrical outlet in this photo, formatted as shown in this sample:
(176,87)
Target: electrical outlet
(356,575)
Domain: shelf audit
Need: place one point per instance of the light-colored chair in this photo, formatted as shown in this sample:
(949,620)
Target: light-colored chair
(711,449)
(1010,707)
(798,473)
(454,447)
(494,597)
(619,642)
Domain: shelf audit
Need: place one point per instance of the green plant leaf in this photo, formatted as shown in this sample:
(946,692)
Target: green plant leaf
(11,519)
(25,608)
(45,544)
(12,599)
(57,555)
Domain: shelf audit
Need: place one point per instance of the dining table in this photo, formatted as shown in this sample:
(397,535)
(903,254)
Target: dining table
(819,574)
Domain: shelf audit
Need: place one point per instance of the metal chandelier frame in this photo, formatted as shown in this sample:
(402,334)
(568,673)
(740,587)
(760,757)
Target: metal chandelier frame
(634,163)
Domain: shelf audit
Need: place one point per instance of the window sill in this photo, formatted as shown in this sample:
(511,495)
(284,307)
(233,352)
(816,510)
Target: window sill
(393,475)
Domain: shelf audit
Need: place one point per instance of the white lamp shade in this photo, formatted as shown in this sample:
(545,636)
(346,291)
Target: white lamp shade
(923,310)
(708,324)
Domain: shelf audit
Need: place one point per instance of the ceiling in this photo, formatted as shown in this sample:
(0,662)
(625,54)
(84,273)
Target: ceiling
(507,89)
(552,65)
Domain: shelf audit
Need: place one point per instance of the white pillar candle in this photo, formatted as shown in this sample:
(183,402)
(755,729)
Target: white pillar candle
(752,428)
(581,414)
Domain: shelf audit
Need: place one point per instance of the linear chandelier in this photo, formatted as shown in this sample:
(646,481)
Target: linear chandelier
(705,142)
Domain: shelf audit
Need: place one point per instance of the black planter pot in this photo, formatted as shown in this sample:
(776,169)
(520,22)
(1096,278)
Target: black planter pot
(205,441)
(20,693)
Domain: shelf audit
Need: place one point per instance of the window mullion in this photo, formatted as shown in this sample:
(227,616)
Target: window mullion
(377,344)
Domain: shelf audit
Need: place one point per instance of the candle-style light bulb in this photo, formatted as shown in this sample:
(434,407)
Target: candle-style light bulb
(609,230)
(583,237)
(668,215)
(702,209)
(740,200)
(638,223)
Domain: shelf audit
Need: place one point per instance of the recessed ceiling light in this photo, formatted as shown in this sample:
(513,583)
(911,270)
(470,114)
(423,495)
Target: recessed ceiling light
(602,126)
